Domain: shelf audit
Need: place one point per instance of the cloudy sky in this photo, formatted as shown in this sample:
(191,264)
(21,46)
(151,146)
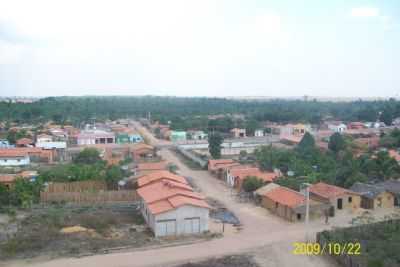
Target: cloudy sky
(200,47)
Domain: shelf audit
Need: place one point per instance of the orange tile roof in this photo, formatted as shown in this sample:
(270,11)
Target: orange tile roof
(253,171)
(152,166)
(328,191)
(394,154)
(13,152)
(158,175)
(164,189)
(285,196)
(24,141)
(215,164)
(7,178)
(166,195)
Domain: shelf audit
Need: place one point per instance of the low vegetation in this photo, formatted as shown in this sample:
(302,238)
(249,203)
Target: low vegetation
(60,230)
(380,242)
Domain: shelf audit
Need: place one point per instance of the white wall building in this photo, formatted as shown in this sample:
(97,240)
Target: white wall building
(170,207)
(10,157)
(338,128)
(52,145)
(259,133)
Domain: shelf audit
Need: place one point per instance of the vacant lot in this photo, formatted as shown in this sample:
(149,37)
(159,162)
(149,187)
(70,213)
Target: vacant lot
(62,231)
(227,261)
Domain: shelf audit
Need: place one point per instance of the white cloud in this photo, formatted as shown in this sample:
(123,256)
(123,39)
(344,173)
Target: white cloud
(365,12)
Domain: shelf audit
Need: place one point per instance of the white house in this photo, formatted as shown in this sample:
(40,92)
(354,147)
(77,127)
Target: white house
(13,157)
(91,137)
(42,138)
(52,145)
(170,207)
(259,133)
(337,127)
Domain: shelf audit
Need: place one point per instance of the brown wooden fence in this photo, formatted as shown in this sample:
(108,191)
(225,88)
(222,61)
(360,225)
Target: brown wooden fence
(90,196)
(80,186)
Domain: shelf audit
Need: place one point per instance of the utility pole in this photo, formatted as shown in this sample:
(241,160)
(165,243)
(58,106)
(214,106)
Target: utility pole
(307,185)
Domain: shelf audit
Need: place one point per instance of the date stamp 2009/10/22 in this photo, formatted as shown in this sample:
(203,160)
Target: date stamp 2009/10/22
(303,248)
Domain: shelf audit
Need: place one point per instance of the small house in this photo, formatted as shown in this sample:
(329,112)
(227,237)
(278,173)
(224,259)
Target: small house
(177,136)
(337,127)
(172,208)
(374,196)
(340,198)
(259,133)
(236,175)
(238,133)
(13,157)
(289,204)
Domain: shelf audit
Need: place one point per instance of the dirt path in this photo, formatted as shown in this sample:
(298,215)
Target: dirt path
(263,234)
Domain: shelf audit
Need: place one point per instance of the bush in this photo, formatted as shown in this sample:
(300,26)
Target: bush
(252,183)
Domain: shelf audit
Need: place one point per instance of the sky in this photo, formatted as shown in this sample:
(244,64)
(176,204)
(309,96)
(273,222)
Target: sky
(200,48)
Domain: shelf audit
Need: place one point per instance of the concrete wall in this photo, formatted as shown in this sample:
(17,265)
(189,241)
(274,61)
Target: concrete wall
(280,210)
(346,205)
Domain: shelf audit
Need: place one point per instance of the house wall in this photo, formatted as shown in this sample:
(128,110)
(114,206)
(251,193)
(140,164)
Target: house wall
(17,161)
(384,200)
(280,210)
(354,204)
(179,215)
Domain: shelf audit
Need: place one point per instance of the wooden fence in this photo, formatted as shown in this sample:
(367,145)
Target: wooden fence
(80,186)
(90,196)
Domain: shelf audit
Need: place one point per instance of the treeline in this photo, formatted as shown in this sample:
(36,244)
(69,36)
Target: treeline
(340,165)
(192,112)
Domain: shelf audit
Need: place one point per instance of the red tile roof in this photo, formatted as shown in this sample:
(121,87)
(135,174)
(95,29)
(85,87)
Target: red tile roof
(24,141)
(253,171)
(215,164)
(328,191)
(394,154)
(285,196)
(166,195)
(7,178)
(11,152)
(159,175)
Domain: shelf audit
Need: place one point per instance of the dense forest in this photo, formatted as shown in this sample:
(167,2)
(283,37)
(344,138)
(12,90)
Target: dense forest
(192,112)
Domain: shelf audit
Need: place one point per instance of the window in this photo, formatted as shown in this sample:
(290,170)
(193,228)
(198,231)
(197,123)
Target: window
(350,199)
(298,216)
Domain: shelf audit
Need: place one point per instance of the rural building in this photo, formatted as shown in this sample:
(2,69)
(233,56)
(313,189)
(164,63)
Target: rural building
(5,144)
(172,208)
(141,150)
(298,129)
(236,175)
(289,204)
(259,133)
(42,138)
(176,136)
(337,127)
(91,137)
(219,167)
(238,133)
(7,180)
(338,197)
(24,142)
(126,138)
(392,186)
(13,157)
(356,125)
(197,135)
(374,196)
(52,145)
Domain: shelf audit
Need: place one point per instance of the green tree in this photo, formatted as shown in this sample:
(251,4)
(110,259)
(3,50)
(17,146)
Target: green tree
(307,144)
(252,183)
(336,143)
(88,156)
(215,141)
